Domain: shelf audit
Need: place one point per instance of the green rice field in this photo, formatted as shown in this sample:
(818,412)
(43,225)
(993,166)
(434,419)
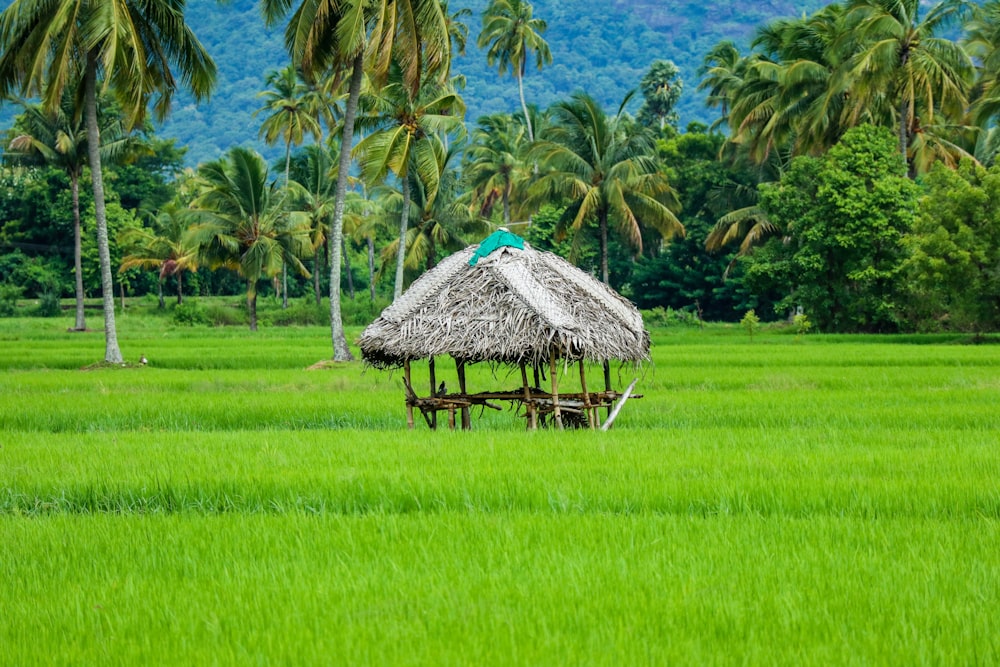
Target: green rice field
(786,500)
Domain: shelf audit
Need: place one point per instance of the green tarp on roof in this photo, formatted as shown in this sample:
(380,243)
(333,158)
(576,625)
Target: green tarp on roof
(498,239)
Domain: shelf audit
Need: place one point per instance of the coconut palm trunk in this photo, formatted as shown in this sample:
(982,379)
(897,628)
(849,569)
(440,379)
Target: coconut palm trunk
(284,264)
(603,221)
(404,221)
(371,268)
(252,304)
(340,350)
(316,264)
(81,323)
(159,293)
(111,352)
(524,104)
(347,266)
(506,205)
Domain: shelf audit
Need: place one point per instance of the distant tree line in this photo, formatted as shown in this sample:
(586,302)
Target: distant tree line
(854,182)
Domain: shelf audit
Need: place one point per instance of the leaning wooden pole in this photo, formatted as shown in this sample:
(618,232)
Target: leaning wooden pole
(529,405)
(619,405)
(556,413)
(409,406)
(460,370)
(588,409)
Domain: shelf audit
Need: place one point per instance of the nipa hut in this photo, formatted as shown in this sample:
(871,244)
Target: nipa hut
(503,302)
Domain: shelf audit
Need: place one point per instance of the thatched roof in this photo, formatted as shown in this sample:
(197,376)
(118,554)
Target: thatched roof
(513,305)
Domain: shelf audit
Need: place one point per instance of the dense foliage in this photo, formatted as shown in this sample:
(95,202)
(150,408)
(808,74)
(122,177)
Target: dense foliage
(838,193)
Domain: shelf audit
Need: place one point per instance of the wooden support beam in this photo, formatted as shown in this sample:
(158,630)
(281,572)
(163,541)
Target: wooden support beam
(409,407)
(607,381)
(556,414)
(460,369)
(434,415)
(539,416)
(587,408)
(529,405)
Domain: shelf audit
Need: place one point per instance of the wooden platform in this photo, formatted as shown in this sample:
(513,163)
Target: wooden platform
(579,410)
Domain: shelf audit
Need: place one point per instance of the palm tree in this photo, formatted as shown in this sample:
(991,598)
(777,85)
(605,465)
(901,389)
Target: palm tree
(57,137)
(723,71)
(494,162)
(292,112)
(458,31)
(510,32)
(661,87)
(407,139)
(337,34)
(245,228)
(607,172)
(313,170)
(47,45)
(790,94)
(367,217)
(982,42)
(902,64)
(437,224)
(167,245)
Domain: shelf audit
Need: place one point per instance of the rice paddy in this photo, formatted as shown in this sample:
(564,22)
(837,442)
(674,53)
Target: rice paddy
(790,500)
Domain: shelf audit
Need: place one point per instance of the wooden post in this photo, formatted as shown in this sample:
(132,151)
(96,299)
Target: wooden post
(556,414)
(434,414)
(529,405)
(451,417)
(538,383)
(588,410)
(607,381)
(460,369)
(409,408)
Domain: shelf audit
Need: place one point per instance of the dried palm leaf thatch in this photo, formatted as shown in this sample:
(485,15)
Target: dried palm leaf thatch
(515,305)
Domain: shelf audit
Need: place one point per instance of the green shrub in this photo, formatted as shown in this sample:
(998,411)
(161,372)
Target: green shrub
(750,323)
(302,313)
(9,294)
(189,314)
(226,316)
(665,317)
(361,311)
(801,323)
(48,304)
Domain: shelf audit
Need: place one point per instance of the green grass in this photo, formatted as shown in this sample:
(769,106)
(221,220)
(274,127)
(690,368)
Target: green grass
(794,500)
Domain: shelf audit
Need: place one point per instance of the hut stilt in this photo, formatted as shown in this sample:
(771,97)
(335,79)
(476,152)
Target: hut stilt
(607,381)
(529,405)
(434,392)
(460,371)
(556,412)
(592,417)
(409,407)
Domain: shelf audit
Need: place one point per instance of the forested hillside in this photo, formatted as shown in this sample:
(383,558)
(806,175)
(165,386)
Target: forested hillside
(603,48)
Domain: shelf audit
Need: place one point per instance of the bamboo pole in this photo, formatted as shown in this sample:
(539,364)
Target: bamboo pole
(588,409)
(619,405)
(529,405)
(409,408)
(556,414)
(460,369)
(434,414)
